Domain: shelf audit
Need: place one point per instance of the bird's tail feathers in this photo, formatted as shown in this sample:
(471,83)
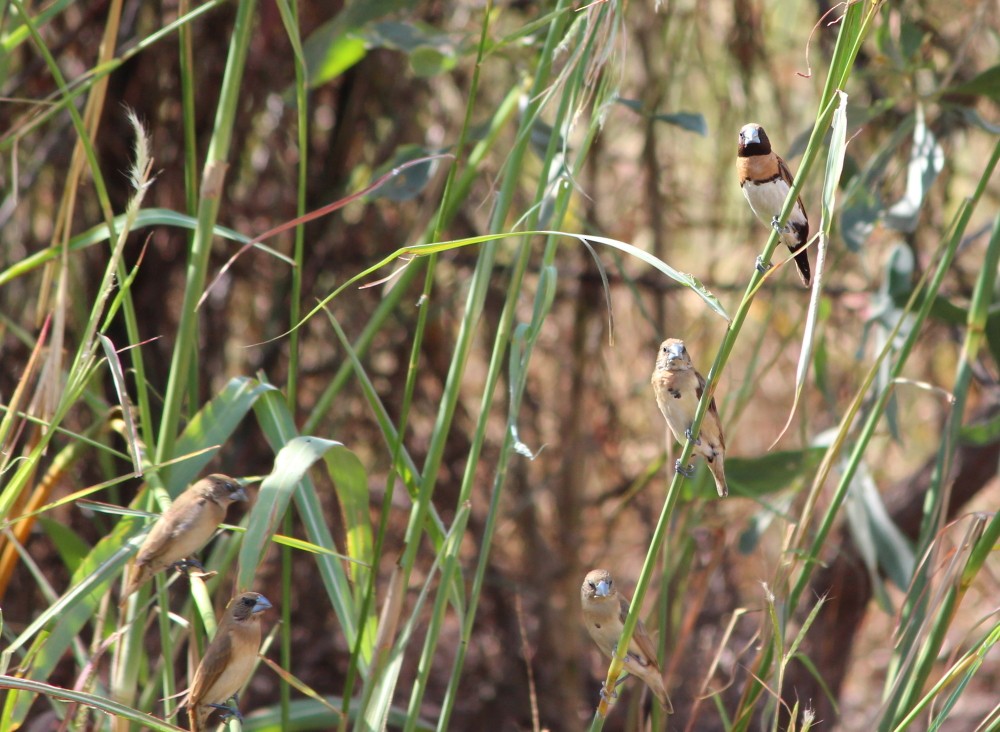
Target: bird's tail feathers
(719,473)
(659,690)
(802,265)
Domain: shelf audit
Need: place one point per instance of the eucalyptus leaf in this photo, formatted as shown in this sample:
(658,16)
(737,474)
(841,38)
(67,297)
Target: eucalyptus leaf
(771,472)
(427,62)
(882,544)
(690,121)
(858,219)
(410,182)
(926,161)
(334,47)
(973,117)
(407,37)
(986,83)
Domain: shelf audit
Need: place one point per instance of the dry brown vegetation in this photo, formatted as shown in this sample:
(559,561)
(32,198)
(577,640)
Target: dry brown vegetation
(592,496)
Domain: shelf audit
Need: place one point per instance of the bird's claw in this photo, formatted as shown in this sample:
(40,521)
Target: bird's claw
(610,698)
(761,267)
(228,712)
(690,435)
(776,225)
(687,472)
(184,565)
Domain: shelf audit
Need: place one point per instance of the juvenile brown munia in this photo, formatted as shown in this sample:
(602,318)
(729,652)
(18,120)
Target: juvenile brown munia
(678,387)
(766,180)
(604,613)
(228,660)
(184,528)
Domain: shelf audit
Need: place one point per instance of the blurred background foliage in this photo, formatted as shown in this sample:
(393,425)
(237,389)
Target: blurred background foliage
(516,371)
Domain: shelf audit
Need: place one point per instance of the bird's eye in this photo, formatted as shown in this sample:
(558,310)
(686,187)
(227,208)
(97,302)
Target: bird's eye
(592,585)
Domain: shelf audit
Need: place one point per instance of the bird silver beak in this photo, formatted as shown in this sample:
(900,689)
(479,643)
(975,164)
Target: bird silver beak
(602,589)
(676,351)
(751,135)
(241,495)
(261,605)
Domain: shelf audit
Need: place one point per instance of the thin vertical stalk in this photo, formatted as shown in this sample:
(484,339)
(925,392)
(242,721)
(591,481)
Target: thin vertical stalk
(414,359)
(936,501)
(212,184)
(868,430)
(290,18)
(503,336)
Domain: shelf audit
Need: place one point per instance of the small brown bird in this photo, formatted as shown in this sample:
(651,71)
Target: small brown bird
(766,180)
(604,613)
(678,387)
(228,660)
(184,528)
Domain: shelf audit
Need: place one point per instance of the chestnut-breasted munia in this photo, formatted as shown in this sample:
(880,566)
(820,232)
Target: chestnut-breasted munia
(766,180)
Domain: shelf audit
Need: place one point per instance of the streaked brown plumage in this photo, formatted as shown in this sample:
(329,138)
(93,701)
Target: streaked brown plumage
(766,180)
(184,528)
(604,613)
(678,387)
(228,660)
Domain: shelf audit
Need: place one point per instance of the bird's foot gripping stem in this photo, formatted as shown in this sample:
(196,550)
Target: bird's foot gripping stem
(687,472)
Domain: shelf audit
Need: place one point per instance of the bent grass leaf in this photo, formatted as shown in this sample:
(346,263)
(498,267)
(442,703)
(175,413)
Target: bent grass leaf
(419,250)
(831,183)
(278,427)
(290,465)
(146,218)
(94,701)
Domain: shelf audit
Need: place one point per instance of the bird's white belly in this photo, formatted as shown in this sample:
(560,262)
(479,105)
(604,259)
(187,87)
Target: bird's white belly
(766,199)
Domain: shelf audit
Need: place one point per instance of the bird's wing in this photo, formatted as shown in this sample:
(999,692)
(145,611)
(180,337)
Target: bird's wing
(786,175)
(640,639)
(712,409)
(177,520)
(212,665)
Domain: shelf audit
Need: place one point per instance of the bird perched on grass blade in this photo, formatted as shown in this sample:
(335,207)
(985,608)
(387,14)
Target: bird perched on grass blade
(184,528)
(228,660)
(766,180)
(604,613)
(678,387)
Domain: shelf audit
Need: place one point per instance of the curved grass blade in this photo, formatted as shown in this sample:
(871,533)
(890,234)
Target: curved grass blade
(90,700)
(290,465)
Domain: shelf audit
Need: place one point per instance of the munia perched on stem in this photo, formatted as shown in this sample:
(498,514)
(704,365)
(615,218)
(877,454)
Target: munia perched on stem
(604,613)
(766,180)
(678,387)
(184,528)
(228,660)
